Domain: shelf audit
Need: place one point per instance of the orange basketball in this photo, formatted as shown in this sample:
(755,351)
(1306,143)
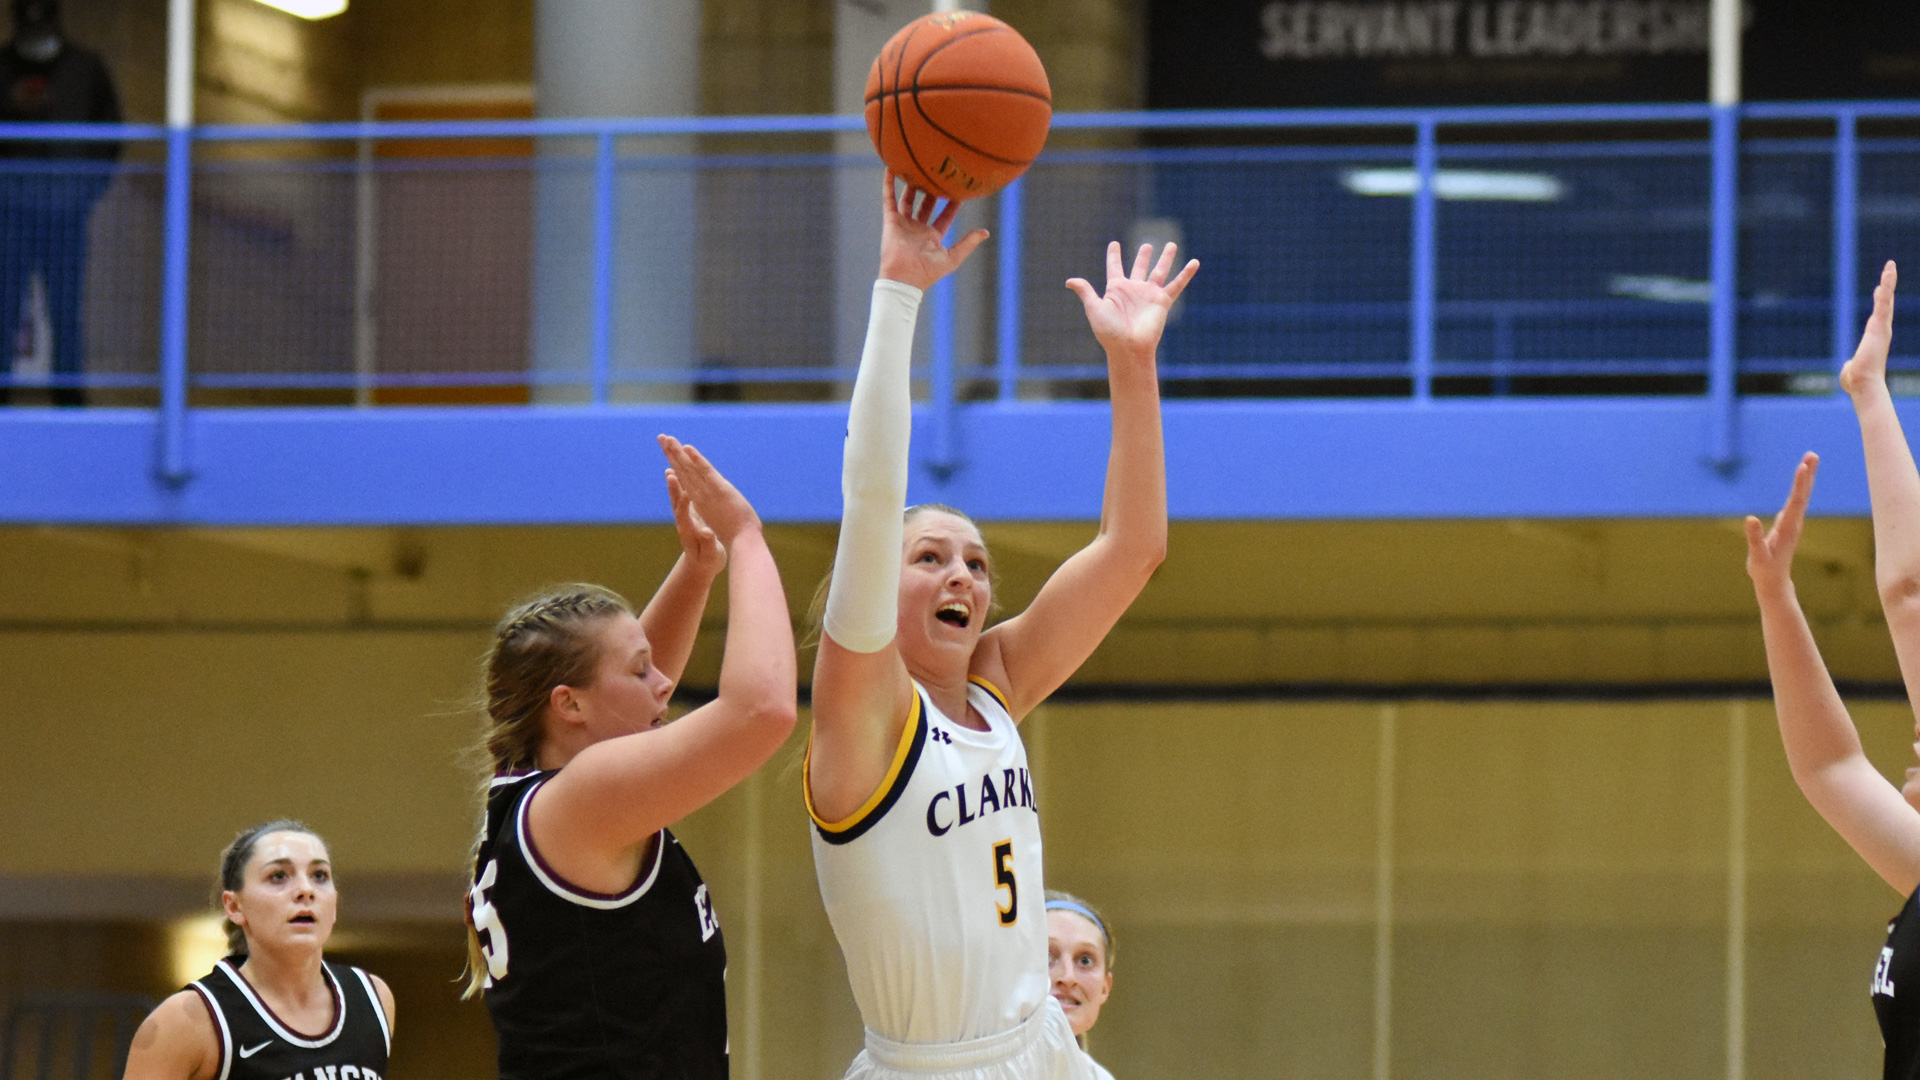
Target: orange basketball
(958,104)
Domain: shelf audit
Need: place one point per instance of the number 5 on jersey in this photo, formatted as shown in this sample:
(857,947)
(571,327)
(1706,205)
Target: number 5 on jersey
(486,920)
(1003,879)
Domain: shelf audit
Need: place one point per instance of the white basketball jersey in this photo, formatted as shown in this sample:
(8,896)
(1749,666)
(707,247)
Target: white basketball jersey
(934,886)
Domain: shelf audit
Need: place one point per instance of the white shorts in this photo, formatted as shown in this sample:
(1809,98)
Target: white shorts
(1041,1048)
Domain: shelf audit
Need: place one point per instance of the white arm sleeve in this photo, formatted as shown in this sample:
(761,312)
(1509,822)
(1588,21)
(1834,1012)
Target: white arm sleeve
(863,599)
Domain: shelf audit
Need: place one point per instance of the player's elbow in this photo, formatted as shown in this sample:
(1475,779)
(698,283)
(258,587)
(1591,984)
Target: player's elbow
(1153,553)
(772,712)
(1140,556)
(1138,551)
(1899,591)
(1823,779)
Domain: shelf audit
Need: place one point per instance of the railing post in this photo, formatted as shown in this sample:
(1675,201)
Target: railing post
(1420,330)
(174,469)
(177,221)
(175,245)
(1007,322)
(940,457)
(1722,363)
(1846,239)
(605,177)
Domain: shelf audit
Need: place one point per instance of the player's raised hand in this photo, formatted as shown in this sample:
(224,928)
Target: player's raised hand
(1868,368)
(711,498)
(912,237)
(1132,314)
(703,549)
(1770,551)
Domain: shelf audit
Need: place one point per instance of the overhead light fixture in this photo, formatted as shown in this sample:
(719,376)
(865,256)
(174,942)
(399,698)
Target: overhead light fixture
(1662,288)
(308,9)
(1457,184)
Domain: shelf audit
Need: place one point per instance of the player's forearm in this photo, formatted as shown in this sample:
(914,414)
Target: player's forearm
(1894,487)
(758,677)
(863,597)
(1814,726)
(672,618)
(1133,511)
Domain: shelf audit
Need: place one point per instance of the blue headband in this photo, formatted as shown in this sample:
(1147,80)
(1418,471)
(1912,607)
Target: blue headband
(1079,909)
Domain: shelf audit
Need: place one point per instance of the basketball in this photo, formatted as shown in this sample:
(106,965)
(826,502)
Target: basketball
(958,104)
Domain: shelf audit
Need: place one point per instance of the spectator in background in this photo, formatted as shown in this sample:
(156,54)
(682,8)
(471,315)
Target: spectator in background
(48,189)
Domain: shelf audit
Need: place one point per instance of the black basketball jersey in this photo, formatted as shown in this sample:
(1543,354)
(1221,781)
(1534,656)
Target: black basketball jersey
(1899,971)
(257,1045)
(585,985)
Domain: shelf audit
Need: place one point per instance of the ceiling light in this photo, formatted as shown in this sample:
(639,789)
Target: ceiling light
(1457,184)
(309,9)
(1662,288)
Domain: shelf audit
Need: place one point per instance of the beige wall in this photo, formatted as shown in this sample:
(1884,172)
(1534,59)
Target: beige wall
(1558,872)
(1557,876)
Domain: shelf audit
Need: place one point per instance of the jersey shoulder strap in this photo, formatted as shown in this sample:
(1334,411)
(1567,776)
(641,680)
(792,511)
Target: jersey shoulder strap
(906,755)
(358,995)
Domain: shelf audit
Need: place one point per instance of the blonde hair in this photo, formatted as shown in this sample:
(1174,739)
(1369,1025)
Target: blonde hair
(817,607)
(545,641)
(1057,900)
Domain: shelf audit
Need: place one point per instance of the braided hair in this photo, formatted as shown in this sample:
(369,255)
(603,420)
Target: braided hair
(540,643)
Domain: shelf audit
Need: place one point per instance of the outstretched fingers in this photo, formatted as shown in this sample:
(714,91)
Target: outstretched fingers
(677,494)
(1116,269)
(1794,514)
(947,213)
(1868,368)
(1770,550)
(890,193)
(964,247)
(1881,322)
(923,212)
(712,498)
(1142,262)
(1179,284)
(1781,540)
(1164,265)
(690,470)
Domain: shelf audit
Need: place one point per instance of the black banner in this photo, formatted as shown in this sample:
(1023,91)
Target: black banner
(1293,53)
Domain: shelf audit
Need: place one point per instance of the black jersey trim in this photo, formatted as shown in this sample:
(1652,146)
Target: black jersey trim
(219,1021)
(379,1010)
(281,1027)
(558,885)
(912,740)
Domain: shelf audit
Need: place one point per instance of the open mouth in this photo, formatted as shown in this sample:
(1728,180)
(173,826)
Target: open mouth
(302,919)
(954,614)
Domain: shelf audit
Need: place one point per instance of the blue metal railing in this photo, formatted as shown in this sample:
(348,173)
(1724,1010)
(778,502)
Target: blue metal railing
(1429,317)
